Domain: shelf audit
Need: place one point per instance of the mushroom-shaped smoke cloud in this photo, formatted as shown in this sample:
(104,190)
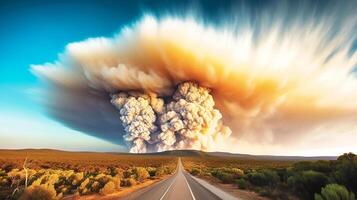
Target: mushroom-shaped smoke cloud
(170,83)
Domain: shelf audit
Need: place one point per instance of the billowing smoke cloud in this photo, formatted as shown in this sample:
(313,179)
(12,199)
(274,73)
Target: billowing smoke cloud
(138,118)
(188,121)
(173,81)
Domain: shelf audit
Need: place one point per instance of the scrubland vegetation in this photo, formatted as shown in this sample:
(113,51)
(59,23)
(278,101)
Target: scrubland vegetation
(55,174)
(319,180)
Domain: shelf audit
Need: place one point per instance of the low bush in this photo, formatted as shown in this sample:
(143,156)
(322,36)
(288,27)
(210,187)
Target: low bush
(334,192)
(140,173)
(195,171)
(127,182)
(160,171)
(263,178)
(151,171)
(241,183)
(108,188)
(39,192)
(307,183)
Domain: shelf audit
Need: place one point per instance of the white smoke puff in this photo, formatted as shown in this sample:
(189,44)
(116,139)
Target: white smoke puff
(167,140)
(137,117)
(156,103)
(192,118)
(138,146)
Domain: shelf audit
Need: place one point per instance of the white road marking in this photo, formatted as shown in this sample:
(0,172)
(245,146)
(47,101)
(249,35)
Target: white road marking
(216,191)
(179,169)
(193,197)
(168,188)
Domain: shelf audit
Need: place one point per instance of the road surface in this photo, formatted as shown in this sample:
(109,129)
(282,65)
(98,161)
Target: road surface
(180,186)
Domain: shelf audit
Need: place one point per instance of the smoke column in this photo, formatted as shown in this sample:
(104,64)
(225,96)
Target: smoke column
(252,83)
(187,121)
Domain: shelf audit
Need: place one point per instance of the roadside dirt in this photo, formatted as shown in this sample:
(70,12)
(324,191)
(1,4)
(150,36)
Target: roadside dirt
(234,190)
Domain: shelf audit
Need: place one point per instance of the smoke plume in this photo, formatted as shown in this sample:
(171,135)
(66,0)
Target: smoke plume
(177,83)
(187,121)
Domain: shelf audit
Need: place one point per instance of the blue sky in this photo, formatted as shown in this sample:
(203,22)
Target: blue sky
(34,32)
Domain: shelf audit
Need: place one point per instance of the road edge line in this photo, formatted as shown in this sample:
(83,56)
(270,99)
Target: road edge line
(193,196)
(206,185)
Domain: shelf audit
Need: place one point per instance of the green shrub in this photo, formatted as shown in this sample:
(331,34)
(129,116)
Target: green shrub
(102,178)
(2,173)
(168,170)
(127,173)
(195,171)
(227,175)
(140,173)
(283,174)
(346,171)
(347,157)
(263,178)
(334,192)
(257,178)
(112,171)
(128,182)
(224,177)
(4,181)
(242,184)
(307,183)
(237,173)
(160,171)
(151,171)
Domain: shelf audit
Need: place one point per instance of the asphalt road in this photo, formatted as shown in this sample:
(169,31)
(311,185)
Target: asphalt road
(180,186)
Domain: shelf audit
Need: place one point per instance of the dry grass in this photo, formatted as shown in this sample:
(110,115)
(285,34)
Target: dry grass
(79,161)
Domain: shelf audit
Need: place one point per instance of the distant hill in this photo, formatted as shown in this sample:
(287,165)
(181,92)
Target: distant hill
(186,153)
(183,153)
(270,157)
